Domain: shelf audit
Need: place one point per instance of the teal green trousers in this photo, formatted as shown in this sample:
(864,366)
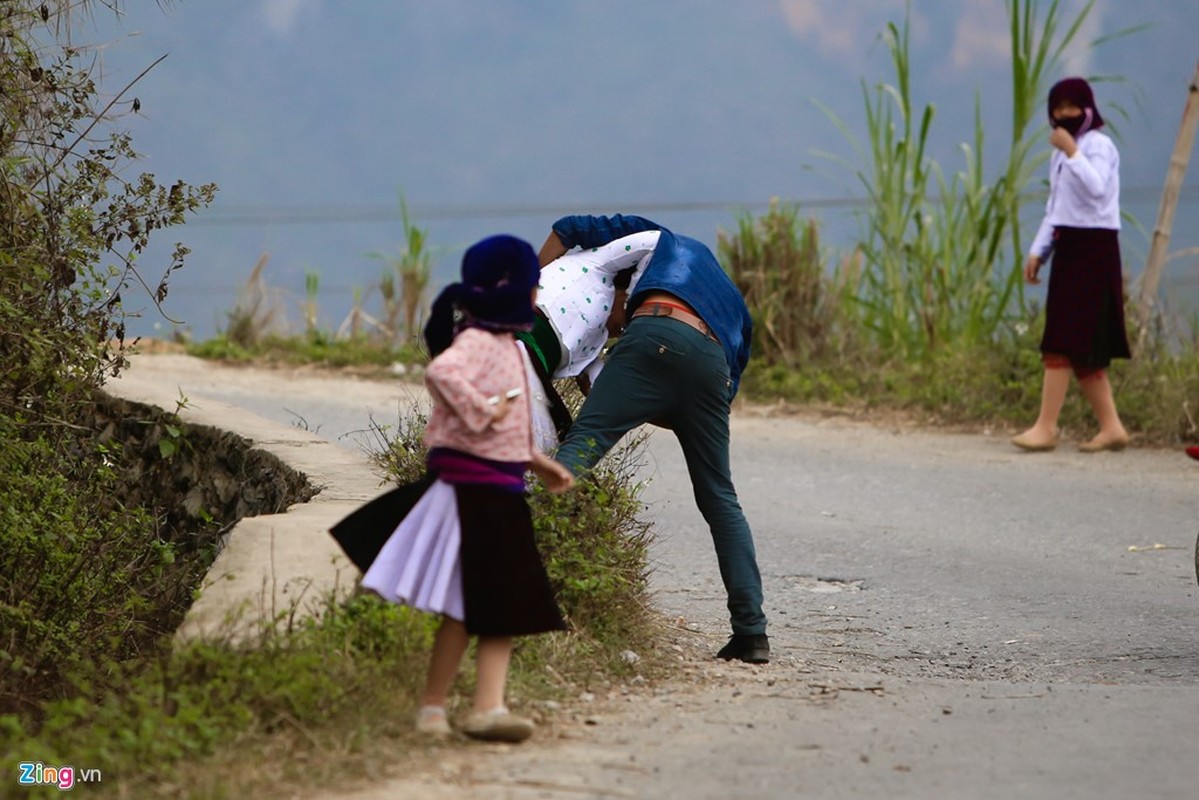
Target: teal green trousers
(664,371)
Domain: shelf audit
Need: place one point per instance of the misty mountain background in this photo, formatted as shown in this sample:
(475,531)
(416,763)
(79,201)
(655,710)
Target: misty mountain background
(315,116)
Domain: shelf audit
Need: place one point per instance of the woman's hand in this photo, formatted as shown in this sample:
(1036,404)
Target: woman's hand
(1031,269)
(1062,140)
(557,478)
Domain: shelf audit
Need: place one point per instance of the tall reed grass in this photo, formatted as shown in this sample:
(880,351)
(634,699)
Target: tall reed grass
(405,282)
(942,251)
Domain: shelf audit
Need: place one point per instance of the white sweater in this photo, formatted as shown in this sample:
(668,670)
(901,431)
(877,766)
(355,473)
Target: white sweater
(1084,190)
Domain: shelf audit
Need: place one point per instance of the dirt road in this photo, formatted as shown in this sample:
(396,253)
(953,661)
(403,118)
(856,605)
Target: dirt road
(951,619)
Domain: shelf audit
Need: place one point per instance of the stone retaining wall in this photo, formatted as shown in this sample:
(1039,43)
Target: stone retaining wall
(207,474)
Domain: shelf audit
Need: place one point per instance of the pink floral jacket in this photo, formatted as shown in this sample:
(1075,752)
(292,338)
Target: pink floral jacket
(477,366)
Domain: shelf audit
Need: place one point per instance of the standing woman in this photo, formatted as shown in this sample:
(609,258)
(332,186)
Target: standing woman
(1084,312)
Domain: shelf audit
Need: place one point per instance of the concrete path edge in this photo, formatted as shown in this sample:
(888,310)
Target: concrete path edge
(276,566)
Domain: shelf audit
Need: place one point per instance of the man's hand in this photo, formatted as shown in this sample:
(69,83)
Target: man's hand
(616,317)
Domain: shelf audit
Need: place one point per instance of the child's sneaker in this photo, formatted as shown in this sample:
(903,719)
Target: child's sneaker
(497,725)
(431,721)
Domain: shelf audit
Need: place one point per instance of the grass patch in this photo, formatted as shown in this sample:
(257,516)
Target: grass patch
(159,726)
(314,348)
(988,387)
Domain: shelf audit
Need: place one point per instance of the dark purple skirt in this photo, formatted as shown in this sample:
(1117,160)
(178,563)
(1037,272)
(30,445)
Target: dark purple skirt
(504,583)
(1084,311)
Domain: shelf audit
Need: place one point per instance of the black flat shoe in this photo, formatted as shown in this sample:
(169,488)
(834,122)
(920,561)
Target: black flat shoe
(752,648)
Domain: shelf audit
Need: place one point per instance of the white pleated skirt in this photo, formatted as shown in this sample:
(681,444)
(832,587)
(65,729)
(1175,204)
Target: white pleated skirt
(419,565)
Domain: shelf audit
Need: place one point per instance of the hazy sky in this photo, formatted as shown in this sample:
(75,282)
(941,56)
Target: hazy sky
(314,116)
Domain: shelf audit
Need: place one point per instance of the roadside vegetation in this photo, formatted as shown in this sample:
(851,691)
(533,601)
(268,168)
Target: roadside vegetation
(257,329)
(926,317)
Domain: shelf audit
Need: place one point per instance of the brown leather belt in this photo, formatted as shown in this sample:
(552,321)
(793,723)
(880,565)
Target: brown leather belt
(676,312)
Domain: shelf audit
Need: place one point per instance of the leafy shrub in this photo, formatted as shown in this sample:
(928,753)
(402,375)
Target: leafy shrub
(78,582)
(87,580)
(775,261)
(400,449)
(72,224)
(595,545)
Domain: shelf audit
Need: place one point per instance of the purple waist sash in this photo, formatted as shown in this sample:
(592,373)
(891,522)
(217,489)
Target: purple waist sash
(454,466)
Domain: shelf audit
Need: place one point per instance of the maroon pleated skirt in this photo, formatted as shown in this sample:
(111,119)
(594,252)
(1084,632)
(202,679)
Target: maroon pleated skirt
(504,583)
(1084,311)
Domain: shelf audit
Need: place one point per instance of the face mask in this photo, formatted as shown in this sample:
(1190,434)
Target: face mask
(1076,126)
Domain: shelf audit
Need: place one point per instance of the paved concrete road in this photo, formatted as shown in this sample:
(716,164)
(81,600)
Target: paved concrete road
(951,619)
(960,556)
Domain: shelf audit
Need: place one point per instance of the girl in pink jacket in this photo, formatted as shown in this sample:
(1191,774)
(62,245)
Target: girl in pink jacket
(465,550)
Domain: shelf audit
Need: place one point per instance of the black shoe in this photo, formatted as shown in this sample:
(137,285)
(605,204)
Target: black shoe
(752,648)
